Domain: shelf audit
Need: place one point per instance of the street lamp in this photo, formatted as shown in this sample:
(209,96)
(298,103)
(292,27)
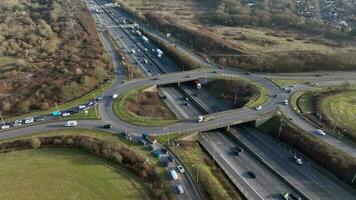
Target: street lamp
(196,165)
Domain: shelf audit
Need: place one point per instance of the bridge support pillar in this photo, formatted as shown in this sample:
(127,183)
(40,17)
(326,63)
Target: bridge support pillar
(228,128)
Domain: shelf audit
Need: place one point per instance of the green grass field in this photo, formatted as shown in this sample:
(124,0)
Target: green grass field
(57,173)
(341,108)
(126,115)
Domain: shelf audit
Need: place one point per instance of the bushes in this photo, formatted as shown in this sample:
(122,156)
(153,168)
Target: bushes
(335,161)
(47,51)
(110,151)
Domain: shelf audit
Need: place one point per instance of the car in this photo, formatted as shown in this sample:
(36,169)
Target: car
(5,127)
(299,161)
(155,78)
(286,102)
(66,114)
(186,103)
(74,110)
(238,149)
(29,120)
(114,96)
(187,76)
(72,123)
(320,132)
(221,67)
(186,98)
(285,195)
(247,73)
(180,169)
(157,153)
(98,99)
(258,107)
(180,189)
(318,75)
(164,162)
(215,71)
(81,106)
(295,197)
(90,103)
(17,123)
(146,49)
(39,119)
(164,151)
(107,126)
(251,174)
(142,141)
(170,158)
(150,147)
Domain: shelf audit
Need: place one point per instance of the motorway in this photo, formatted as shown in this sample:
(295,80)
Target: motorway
(266,185)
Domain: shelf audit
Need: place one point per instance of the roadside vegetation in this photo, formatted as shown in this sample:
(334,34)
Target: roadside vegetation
(285,82)
(48,54)
(331,108)
(144,108)
(60,173)
(116,150)
(238,92)
(211,179)
(259,36)
(333,160)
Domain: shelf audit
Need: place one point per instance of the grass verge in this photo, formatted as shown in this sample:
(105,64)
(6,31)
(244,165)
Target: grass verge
(208,175)
(285,82)
(59,173)
(121,110)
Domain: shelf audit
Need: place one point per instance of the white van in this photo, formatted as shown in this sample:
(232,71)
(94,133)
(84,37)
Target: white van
(72,123)
(114,96)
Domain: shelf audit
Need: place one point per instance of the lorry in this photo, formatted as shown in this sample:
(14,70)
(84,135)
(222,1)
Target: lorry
(145,39)
(149,137)
(173,174)
(197,84)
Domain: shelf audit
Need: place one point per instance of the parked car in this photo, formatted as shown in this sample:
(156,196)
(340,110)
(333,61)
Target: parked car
(170,158)
(39,119)
(114,96)
(29,120)
(180,189)
(5,126)
(81,106)
(180,169)
(66,114)
(258,107)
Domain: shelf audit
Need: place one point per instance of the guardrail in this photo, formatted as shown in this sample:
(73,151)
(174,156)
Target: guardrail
(268,166)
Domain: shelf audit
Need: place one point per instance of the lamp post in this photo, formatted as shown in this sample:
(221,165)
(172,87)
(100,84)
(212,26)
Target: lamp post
(196,165)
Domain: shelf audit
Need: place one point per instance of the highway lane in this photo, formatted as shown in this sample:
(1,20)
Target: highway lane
(264,186)
(306,177)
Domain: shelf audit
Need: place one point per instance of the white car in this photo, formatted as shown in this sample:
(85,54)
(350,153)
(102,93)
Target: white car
(5,127)
(180,169)
(299,161)
(65,114)
(18,123)
(320,132)
(73,123)
(286,102)
(29,120)
(81,106)
(114,96)
(258,107)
